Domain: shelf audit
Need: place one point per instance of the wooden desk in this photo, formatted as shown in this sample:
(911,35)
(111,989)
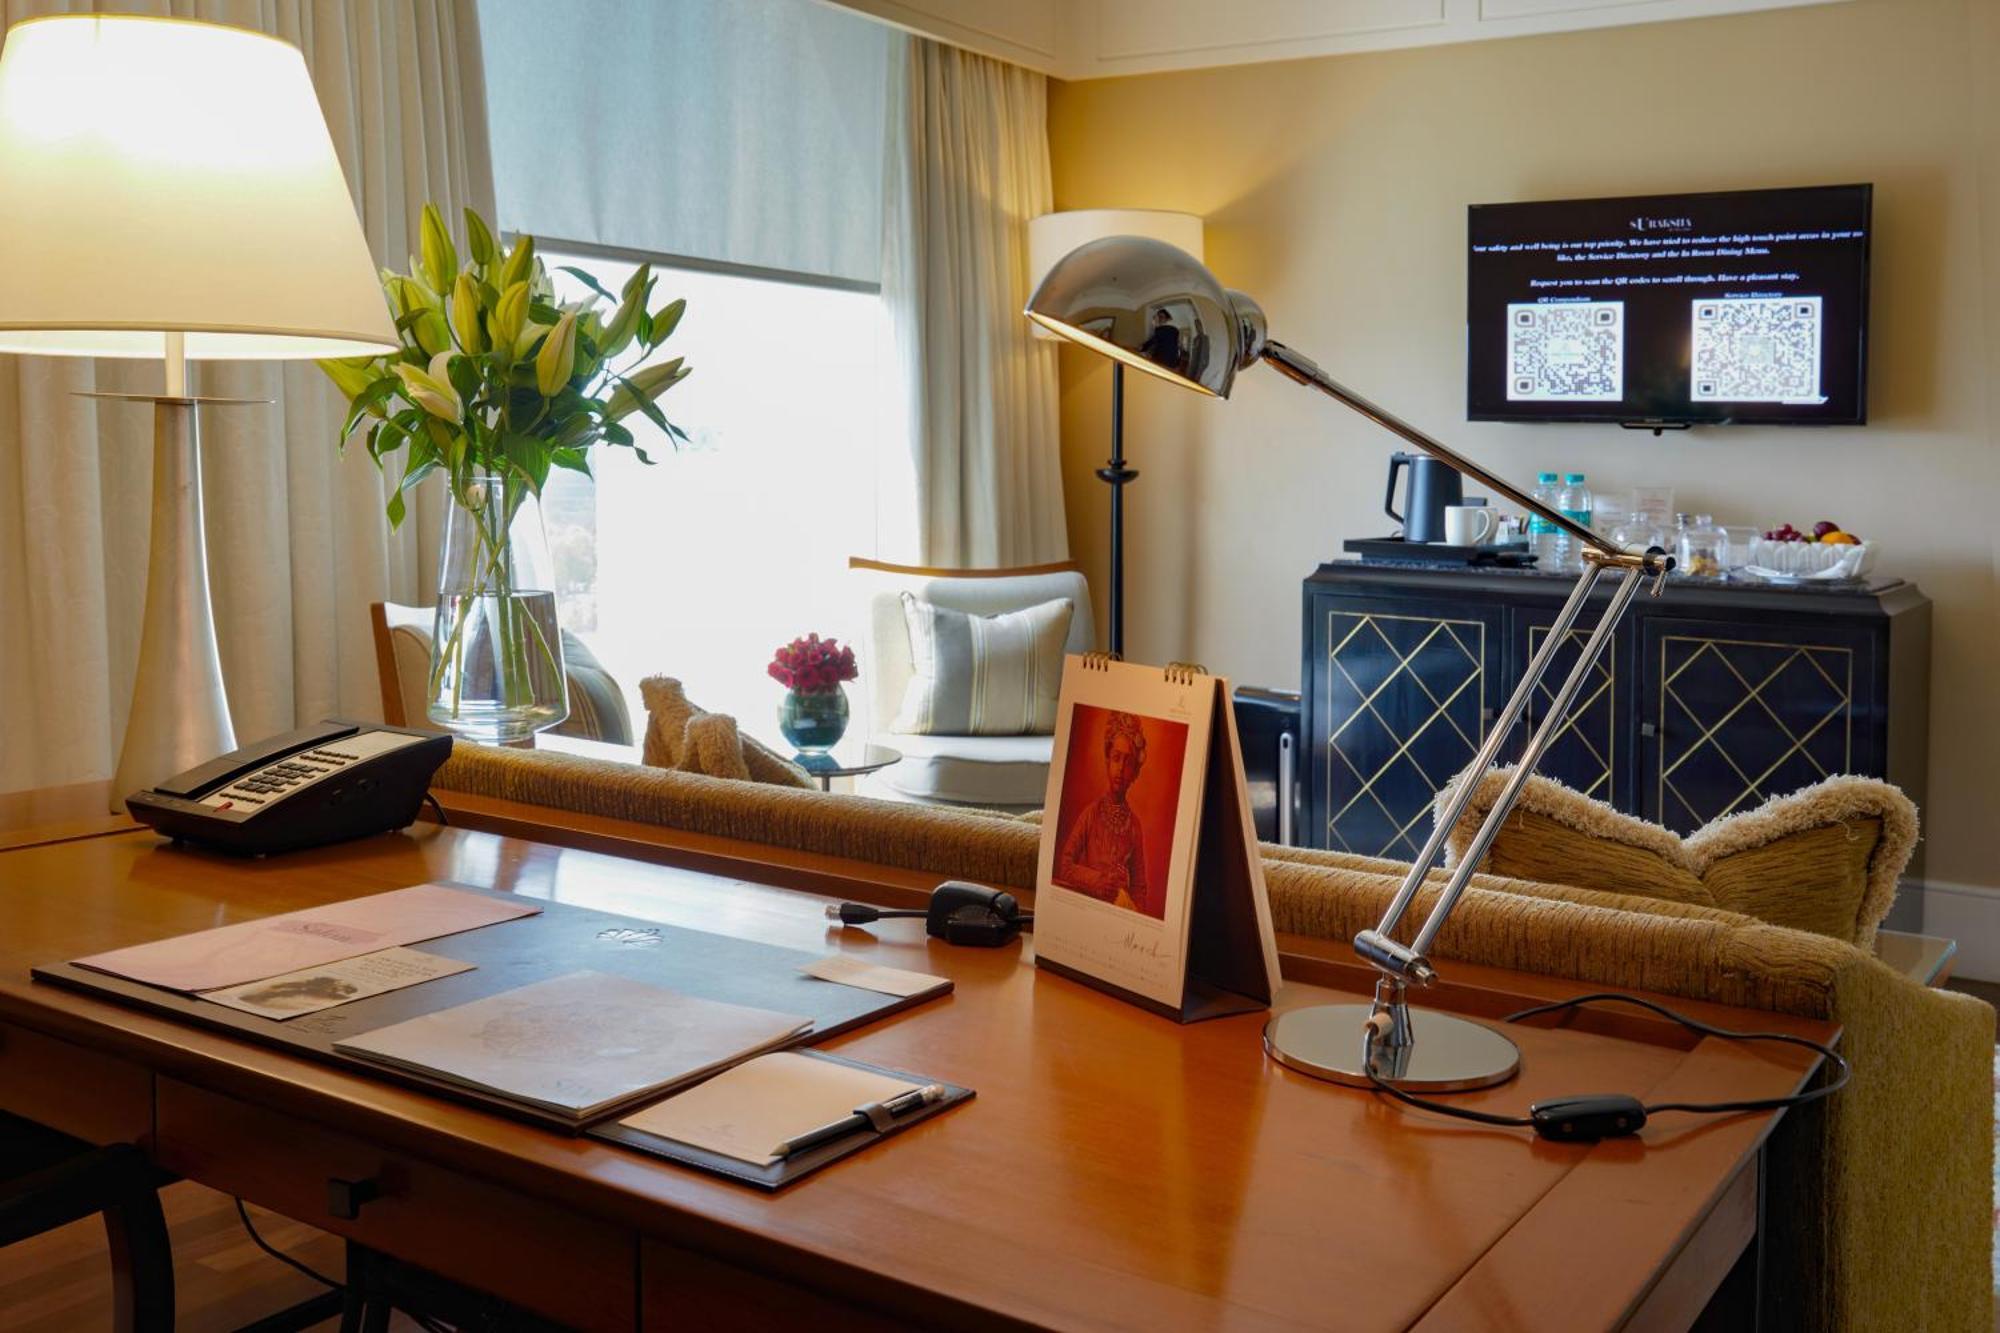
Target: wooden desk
(1116,1170)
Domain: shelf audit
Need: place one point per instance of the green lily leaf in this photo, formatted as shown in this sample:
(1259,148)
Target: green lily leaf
(588,281)
(368,402)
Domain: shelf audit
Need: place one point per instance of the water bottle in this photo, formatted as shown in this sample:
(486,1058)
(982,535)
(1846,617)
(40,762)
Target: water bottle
(1576,504)
(1580,508)
(1541,532)
(1564,555)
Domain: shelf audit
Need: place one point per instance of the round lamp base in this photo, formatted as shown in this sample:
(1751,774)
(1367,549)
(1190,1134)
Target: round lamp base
(1449,1054)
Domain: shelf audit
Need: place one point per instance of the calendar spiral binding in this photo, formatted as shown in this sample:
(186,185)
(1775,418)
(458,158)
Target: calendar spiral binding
(1176,673)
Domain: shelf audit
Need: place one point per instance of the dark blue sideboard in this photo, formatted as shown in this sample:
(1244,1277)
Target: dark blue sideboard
(1710,699)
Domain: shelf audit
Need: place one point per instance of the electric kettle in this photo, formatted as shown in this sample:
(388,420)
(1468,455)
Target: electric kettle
(1433,486)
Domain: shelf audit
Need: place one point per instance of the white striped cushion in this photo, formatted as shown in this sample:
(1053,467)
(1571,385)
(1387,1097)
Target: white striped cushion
(983,675)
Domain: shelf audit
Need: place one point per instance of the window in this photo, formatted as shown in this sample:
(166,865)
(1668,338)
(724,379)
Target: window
(699,565)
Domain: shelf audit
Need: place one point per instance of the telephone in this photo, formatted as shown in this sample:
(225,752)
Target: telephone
(323,783)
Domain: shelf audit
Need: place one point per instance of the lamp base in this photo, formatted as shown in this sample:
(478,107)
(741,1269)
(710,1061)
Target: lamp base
(180,714)
(1447,1054)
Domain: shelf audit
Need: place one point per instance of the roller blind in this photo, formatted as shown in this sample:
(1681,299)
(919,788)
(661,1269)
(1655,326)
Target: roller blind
(741,132)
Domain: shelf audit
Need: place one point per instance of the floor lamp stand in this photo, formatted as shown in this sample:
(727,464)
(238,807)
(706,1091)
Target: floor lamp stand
(180,713)
(1118,476)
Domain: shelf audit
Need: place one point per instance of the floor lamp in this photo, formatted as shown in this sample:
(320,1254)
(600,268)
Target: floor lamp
(171,192)
(1108,295)
(1054,235)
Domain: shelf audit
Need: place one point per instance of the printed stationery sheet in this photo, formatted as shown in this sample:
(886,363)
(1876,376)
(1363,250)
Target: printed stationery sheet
(274,945)
(1124,809)
(311,989)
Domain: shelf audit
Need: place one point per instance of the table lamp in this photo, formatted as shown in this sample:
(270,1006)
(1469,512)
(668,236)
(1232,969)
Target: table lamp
(171,191)
(1054,235)
(1109,295)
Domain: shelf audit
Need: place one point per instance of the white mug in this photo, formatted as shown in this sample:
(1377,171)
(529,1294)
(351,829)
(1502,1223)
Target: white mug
(1469,525)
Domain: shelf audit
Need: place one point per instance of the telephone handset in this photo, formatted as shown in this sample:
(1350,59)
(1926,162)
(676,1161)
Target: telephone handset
(323,783)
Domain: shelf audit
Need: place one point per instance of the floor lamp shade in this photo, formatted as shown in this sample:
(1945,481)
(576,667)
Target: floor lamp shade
(1053,235)
(169,189)
(164,176)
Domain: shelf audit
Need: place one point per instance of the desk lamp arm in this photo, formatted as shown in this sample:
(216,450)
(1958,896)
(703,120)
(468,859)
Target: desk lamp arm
(1400,963)
(1301,369)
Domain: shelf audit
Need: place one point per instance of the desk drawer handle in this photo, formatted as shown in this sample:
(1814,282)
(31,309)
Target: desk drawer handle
(345,1197)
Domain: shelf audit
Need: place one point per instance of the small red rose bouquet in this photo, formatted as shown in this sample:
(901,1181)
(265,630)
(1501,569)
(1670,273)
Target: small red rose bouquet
(813,665)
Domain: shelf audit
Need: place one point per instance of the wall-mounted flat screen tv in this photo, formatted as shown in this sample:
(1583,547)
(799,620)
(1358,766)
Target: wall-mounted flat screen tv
(1685,309)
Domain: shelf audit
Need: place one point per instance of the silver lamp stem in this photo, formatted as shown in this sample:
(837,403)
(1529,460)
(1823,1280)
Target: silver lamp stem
(1489,751)
(1412,961)
(180,715)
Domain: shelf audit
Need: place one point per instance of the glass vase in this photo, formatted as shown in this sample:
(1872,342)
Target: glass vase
(813,723)
(496,650)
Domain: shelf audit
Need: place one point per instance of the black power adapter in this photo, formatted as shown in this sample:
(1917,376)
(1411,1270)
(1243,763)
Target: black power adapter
(959,913)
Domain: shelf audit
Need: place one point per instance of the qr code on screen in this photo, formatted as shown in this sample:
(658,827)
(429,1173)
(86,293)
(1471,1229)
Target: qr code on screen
(1568,353)
(1757,350)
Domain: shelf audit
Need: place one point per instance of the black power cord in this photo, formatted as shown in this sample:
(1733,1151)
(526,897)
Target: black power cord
(437,809)
(1613,1115)
(280,1255)
(428,1325)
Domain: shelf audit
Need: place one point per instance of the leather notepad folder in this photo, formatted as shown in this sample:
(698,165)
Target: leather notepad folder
(733,1121)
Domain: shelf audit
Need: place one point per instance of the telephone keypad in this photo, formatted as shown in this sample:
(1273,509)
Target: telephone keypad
(295,772)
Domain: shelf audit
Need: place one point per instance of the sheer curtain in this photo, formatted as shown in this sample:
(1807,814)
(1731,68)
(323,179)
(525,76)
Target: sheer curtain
(297,541)
(968,165)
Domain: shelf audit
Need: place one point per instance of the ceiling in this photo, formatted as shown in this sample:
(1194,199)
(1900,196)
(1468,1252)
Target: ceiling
(1094,39)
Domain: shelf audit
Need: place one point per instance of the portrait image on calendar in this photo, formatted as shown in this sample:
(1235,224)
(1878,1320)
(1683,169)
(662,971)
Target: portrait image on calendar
(1149,883)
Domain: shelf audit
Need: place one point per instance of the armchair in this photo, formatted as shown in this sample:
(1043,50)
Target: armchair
(995,772)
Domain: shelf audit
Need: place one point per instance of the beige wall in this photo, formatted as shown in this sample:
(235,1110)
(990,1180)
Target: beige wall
(1335,191)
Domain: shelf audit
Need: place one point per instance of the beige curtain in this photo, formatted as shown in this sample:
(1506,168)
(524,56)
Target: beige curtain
(297,541)
(968,165)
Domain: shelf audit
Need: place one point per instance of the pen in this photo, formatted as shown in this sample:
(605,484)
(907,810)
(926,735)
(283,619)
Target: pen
(901,1104)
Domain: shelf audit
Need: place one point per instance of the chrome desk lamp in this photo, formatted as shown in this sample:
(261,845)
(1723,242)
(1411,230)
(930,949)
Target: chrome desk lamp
(1108,295)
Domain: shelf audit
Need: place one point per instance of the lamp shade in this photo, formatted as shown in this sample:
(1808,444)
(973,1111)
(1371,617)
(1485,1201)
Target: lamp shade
(1154,307)
(1053,235)
(161,176)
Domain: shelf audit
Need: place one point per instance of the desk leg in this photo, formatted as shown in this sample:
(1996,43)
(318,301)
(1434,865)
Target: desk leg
(1737,1306)
(142,1264)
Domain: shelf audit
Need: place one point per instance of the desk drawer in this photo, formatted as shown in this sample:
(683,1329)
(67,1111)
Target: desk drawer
(682,1290)
(74,1089)
(535,1254)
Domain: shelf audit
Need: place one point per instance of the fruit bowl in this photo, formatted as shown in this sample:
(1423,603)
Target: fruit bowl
(1817,561)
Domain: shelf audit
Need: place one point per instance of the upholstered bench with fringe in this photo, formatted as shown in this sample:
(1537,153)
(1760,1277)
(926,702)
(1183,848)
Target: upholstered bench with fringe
(1879,1204)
